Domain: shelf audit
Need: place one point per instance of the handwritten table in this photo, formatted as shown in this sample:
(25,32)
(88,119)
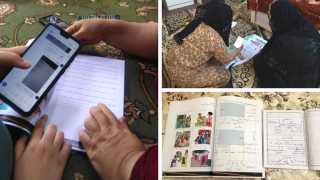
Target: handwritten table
(276,101)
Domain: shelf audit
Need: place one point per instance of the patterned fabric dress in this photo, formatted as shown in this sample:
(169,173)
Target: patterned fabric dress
(197,62)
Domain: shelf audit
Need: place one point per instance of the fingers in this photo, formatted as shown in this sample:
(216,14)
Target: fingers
(20,146)
(84,138)
(98,114)
(11,58)
(80,34)
(314,3)
(18,49)
(38,130)
(72,29)
(240,49)
(91,125)
(123,122)
(49,134)
(111,118)
(65,150)
(76,31)
(58,140)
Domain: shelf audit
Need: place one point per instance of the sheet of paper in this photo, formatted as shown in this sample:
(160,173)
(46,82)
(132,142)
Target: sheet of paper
(251,47)
(238,136)
(233,24)
(313,134)
(238,60)
(285,139)
(88,81)
(188,144)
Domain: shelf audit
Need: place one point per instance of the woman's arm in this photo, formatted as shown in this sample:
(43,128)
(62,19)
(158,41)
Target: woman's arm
(220,51)
(140,39)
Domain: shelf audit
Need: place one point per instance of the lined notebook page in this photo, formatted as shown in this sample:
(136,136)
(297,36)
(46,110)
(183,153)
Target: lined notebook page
(285,140)
(313,129)
(88,81)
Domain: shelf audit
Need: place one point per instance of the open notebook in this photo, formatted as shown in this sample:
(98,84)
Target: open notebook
(291,139)
(232,136)
(88,81)
(214,137)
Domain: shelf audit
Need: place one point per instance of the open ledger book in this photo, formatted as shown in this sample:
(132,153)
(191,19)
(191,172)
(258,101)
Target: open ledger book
(214,137)
(87,81)
(228,136)
(251,47)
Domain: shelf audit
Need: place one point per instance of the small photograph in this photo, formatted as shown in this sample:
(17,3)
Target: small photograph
(182,139)
(183,121)
(179,158)
(204,137)
(204,118)
(200,158)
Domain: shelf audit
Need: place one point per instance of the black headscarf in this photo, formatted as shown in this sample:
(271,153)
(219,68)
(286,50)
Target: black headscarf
(290,59)
(217,15)
(284,17)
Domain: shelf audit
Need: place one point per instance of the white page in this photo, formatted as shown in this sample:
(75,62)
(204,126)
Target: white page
(198,149)
(313,134)
(251,47)
(88,81)
(285,139)
(233,24)
(238,136)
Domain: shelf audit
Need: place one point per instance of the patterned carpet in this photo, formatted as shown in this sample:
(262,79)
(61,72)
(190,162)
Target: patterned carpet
(272,101)
(19,23)
(243,75)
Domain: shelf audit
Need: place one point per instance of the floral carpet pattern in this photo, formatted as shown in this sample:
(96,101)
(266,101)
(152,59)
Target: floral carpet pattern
(243,76)
(271,101)
(19,22)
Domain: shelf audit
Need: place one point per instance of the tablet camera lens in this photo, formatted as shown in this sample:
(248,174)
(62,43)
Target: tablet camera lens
(37,97)
(61,65)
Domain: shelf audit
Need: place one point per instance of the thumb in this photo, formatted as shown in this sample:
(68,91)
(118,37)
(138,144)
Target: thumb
(20,146)
(79,34)
(18,49)
(9,58)
(123,122)
(240,49)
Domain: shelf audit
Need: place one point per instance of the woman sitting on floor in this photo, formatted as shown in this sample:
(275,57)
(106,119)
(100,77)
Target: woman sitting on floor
(291,57)
(195,60)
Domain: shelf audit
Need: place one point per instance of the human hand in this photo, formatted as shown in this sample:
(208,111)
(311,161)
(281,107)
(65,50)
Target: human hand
(260,51)
(314,3)
(111,147)
(44,157)
(89,31)
(235,54)
(11,57)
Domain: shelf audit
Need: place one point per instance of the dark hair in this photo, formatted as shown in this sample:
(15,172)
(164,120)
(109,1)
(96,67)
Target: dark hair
(187,151)
(210,113)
